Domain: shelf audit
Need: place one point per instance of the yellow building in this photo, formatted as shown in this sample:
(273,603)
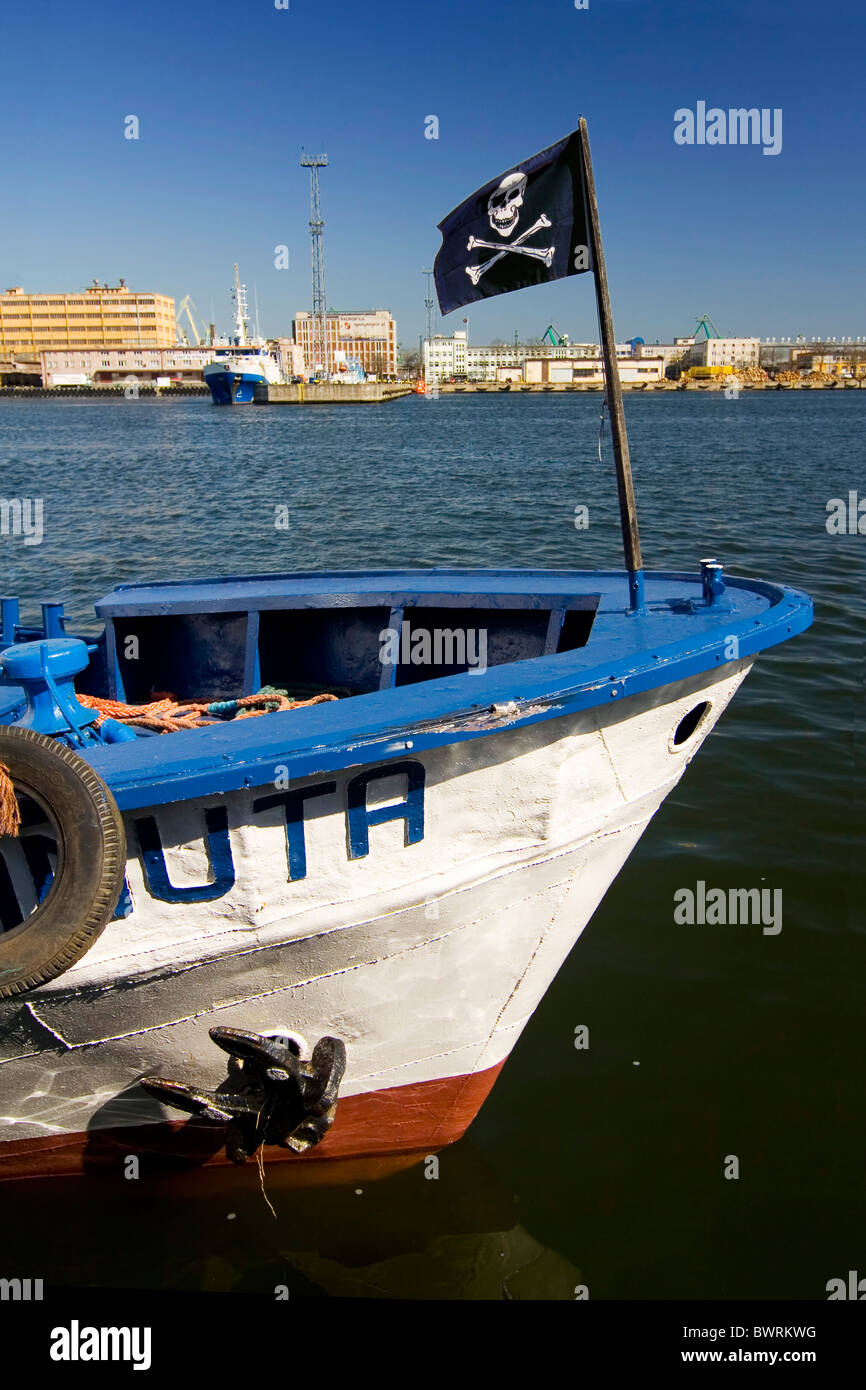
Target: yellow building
(100,316)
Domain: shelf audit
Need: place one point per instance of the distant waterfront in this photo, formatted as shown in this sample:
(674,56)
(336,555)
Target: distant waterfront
(109,393)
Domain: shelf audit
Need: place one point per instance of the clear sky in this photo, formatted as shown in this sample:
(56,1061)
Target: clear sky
(227,92)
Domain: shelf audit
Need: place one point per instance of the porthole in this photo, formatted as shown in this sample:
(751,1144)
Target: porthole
(689,724)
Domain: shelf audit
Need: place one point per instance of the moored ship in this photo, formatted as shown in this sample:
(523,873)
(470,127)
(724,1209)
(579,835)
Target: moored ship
(243,364)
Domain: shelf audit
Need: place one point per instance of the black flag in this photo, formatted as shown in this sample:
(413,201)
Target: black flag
(528,226)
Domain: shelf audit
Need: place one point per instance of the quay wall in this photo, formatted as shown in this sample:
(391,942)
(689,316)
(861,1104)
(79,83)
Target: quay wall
(330,393)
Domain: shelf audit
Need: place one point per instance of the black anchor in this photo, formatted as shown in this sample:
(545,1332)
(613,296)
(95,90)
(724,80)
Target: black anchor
(270,1096)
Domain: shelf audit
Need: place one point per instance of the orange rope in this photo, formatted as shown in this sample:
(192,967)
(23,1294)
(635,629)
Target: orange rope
(169,716)
(166,716)
(10,815)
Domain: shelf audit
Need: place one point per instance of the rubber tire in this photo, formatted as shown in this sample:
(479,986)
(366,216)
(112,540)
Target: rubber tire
(86,890)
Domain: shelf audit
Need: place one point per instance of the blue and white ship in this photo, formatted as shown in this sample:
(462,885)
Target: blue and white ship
(243,364)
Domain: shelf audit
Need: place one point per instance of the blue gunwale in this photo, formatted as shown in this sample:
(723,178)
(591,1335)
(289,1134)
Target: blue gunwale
(676,637)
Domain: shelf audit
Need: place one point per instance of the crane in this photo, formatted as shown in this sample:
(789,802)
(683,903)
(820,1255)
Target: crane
(553,336)
(706,323)
(198,337)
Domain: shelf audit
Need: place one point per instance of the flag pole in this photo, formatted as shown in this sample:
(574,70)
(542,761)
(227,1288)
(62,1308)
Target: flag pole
(627,507)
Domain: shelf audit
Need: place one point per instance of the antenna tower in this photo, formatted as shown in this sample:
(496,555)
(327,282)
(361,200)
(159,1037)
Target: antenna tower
(315,162)
(430,306)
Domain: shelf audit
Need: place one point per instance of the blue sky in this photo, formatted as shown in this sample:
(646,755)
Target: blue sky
(227,93)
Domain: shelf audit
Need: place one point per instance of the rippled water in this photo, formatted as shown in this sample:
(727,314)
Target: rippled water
(601,1166)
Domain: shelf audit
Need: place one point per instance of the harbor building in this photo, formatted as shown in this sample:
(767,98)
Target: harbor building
(107,366)
(368,336)
(453,356)
(180,364)
(290,356)
(840,357)
(445,356)
(589,371)
(670,353)
(724,352)
(110,316)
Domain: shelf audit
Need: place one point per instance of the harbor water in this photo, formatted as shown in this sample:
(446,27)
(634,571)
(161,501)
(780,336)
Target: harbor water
(607,1167)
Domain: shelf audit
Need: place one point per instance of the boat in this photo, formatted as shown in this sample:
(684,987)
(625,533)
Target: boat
(243,364)
(288,861)
(403,868)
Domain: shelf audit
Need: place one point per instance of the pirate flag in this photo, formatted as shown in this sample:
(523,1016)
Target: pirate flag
(523,228)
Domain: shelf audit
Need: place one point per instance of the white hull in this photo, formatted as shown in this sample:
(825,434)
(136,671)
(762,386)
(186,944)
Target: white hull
(427,959)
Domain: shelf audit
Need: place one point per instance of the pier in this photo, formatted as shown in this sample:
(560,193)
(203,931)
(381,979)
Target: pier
(331,393)
(640,387)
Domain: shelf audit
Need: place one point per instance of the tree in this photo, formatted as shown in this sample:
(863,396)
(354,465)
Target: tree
(410,362)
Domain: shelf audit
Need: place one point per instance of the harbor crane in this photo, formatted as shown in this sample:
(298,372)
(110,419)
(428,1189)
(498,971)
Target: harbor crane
(198,337)
(706,323)
(553,336)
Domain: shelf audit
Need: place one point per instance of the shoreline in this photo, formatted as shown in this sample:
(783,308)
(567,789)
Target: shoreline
(394,390)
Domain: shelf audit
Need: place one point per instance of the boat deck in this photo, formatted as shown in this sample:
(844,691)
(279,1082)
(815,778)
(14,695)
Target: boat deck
(557,642)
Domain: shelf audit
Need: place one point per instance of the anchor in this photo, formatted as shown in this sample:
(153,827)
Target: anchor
(270,1095)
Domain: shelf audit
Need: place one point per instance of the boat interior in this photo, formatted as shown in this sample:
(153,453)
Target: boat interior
(217,640)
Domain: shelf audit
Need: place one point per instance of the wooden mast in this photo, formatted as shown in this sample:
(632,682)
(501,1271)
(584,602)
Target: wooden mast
(627,508)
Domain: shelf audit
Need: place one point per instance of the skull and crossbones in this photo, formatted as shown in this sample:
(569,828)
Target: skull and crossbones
(503,213)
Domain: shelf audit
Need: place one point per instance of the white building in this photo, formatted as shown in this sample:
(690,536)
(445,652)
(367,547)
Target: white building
(589,371)
(106,365)
(453,356)
(488,363)
(724,352)
(445,357)
(677,351)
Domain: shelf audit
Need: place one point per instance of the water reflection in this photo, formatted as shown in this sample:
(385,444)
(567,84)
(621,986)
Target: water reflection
(405,1236)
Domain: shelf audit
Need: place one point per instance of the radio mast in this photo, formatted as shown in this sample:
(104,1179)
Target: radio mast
(315,162)
(430,307)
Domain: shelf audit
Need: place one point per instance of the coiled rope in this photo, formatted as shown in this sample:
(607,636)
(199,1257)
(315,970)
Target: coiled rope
(164,716)
(168,716)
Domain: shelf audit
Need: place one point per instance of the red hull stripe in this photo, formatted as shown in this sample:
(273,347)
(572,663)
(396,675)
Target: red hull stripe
(382,1126)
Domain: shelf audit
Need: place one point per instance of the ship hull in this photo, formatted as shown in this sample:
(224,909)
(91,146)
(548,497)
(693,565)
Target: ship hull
(233,388)
(427,954)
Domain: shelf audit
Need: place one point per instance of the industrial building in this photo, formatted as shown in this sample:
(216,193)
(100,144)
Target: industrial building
(453,356)
(588,371)
(100,316)
(181,364)
(368,336)
(104,366)
(724,352)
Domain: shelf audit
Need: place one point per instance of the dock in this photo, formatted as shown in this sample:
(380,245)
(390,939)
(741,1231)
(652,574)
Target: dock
(638,388)
(331,393)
